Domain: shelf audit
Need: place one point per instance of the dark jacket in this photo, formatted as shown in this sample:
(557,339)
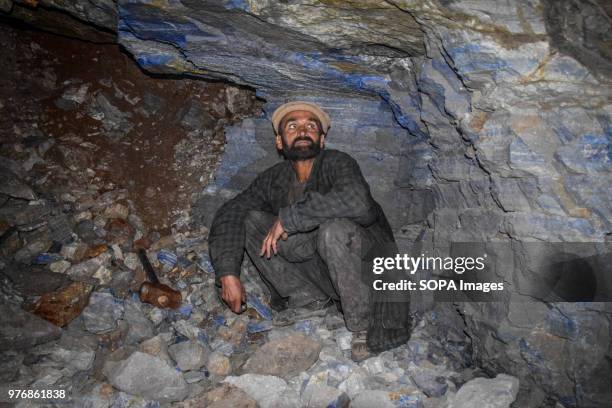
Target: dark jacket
(335,189)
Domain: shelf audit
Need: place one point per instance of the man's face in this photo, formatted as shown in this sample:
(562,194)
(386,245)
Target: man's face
(301,138)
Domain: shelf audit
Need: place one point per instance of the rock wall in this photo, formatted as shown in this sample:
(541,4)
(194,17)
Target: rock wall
(472,121)
(92,20)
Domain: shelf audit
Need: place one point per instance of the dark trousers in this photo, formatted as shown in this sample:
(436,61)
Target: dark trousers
(315,265)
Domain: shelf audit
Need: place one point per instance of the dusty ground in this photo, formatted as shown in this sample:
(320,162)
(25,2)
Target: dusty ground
(162,163)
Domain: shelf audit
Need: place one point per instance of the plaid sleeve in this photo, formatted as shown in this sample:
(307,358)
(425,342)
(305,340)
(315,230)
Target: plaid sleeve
(226,237)
(349,198)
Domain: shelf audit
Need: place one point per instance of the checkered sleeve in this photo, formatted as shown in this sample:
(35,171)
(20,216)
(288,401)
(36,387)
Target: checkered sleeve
(349,198)
(227,236)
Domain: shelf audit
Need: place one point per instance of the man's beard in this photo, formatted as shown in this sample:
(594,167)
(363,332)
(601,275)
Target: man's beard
(303,152)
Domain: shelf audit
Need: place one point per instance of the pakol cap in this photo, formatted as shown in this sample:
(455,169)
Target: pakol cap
(288,107)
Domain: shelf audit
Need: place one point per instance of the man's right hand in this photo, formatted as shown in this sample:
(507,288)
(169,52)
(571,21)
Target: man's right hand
(233,292)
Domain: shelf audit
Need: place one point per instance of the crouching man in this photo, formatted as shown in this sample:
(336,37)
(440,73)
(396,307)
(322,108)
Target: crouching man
(306,223)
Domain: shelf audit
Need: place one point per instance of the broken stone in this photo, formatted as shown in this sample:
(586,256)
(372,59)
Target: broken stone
(344,338)
(74,351)
(59,266)
(194,376)
(111,359)
(218,364)
(323,396)
(124,399)
(117,252)
(355,383)
(254,302)
(102,312)
(163,242)
(235,333)
(260,327)
(96,250)
(150,377)
(76,94)
(120,232)
(61,307)
(188,355)
(85,231)
(225,396)
(373,365)
(167,258)
(157,346)
(103,275)
(12,186)
(152,103)
(195,117)
(187,329)
(137,222)
(10,243)
(40,243)
(83,215)
(20,329)
(284,357)
(74,252)
(156,316)
(22,213)
(6,6)
(267,390)
(10,363)
(139,326)
(498,392)
(47,377)
(131,261)
(373,398)
(117,210)
(100,396)
(119,94)
(45,258)
(429,381)
(121,282)
(33,280)
(85,271)
(60,229)
(115,122)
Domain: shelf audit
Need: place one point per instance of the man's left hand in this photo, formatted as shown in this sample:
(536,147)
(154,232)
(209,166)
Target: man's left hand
(270,242)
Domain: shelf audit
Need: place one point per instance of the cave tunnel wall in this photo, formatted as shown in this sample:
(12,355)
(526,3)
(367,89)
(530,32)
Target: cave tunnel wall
(472,121)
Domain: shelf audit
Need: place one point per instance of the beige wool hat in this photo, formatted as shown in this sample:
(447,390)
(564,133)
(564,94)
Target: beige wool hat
(284,109)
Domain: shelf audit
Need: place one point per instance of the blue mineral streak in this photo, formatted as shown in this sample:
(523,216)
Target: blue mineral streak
(561,325)
(219,320)
(186,310)
(259,327)
(149,23)
(140,21)
(152,60)
(472,57)
(166,257)
(529,351)
(262,309)
(47,258)
(405,121)
(236,4)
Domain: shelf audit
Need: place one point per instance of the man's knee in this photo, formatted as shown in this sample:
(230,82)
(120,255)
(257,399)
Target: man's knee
(336,231)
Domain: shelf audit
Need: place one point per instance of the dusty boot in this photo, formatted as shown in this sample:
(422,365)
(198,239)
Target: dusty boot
(312,309)
(277,303)
(359,348)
